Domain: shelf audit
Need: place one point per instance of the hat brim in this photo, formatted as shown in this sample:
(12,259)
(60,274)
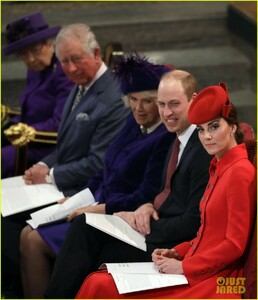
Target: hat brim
(31,39)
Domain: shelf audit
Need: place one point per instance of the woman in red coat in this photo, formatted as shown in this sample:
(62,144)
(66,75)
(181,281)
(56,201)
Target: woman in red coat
(211,262)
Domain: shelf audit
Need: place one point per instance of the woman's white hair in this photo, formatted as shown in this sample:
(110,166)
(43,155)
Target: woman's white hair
(146,94)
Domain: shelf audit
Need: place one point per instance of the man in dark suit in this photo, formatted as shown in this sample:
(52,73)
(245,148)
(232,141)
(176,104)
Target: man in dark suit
(88,125)
(93,115)
(173,220)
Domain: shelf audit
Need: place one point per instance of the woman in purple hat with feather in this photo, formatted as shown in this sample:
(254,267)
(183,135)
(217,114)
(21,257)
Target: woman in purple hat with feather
(47,87)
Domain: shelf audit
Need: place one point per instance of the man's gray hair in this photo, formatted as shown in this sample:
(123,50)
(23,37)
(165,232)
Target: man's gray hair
(80,32)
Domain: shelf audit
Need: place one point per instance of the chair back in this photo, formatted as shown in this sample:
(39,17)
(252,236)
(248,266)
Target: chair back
(250,255)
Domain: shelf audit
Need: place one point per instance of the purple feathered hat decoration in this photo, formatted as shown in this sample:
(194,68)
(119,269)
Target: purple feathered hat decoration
(136,74)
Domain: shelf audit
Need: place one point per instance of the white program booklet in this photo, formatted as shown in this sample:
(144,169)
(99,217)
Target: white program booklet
(18,197)
(118,228)
(57,212)
(133,277)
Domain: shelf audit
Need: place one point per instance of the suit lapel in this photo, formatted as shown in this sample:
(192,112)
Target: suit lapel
(189,146)
(66,111)
(91,95)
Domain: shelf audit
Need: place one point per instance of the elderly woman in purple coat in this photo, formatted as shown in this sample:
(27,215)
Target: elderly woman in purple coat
(131,176)
(47,87)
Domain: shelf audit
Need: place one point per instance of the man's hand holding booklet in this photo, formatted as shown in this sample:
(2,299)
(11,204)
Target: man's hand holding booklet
(117,227)
(18,196)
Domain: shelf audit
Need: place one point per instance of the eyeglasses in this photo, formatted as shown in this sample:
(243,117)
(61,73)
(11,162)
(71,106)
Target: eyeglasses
(75,59)
(35,51)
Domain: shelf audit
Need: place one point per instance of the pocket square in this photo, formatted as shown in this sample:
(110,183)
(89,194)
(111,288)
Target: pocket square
(82,117)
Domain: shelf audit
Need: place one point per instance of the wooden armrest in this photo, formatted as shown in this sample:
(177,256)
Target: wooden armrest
(45,137)
(7,112)
(22,149)
(21,134)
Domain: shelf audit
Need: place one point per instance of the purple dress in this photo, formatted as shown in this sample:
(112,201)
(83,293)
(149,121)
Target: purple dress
(41,104)
(131,177)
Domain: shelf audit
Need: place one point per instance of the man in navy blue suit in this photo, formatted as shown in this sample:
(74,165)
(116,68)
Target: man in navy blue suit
(87,127)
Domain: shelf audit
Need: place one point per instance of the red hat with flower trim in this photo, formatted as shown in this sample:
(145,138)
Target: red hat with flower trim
(210,103)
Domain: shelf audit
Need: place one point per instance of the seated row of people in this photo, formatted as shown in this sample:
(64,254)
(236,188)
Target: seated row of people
(84,132)
(131,175)
(97,118)
(164,206)
(212,261)
(169,223)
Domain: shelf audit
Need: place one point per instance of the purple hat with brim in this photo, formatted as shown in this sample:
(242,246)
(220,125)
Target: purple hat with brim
(26,31)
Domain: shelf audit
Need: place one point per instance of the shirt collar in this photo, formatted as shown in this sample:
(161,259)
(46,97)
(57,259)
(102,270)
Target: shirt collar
(152,128)
(99,73)
(185,135)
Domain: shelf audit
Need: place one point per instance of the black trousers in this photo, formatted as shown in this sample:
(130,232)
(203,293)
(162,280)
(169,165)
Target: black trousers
(83,251)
